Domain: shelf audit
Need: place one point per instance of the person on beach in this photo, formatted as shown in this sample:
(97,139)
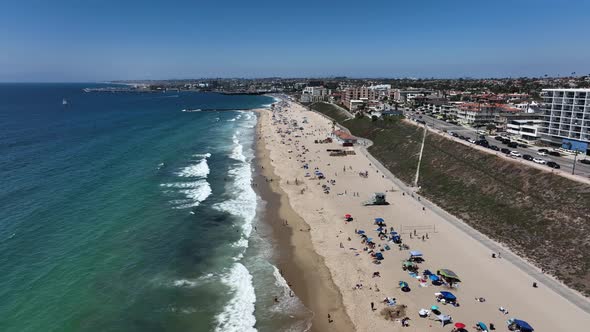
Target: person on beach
(372,306)
(330,319)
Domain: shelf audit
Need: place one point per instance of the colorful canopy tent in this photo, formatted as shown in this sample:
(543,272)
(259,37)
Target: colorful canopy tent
(444,319)
(415,253)
(520,325)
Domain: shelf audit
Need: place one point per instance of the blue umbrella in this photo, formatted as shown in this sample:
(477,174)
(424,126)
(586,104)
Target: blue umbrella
(482,326)
(379,220)
(523,326)
(448,296)
(360,231)
(434,277)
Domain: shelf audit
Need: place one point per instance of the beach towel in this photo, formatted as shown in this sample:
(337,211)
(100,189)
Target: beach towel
(412,274)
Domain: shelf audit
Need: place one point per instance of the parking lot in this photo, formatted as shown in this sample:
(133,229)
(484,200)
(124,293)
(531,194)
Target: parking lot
(565,161)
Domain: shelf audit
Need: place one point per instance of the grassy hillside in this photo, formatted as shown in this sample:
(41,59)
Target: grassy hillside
(542,216)
(331,111)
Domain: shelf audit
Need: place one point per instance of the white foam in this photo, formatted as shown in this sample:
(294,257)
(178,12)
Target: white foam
(238,150)
(280,282)
(185,283)
(201,169)
(238,314)
(195,193)
(190,111)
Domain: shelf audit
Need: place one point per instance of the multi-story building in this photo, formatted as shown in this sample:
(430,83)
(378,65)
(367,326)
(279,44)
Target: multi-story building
(475,114)
(566,118)
(352,95)
(313,94)
(525,129)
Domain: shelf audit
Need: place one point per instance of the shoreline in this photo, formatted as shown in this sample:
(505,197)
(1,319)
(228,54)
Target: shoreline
(447,246)
(296,258)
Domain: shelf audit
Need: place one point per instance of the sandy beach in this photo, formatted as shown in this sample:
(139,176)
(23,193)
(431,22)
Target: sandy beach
(329,259)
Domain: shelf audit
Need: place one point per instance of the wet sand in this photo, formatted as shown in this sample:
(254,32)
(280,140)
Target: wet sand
(299,263)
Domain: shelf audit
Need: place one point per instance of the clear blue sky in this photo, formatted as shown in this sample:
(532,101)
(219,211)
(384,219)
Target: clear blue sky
(90,40)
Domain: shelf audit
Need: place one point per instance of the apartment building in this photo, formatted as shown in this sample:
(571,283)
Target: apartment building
(566,117)
(313,94)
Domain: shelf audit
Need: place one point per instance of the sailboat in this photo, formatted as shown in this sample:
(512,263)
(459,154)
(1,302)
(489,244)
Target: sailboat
(64,102)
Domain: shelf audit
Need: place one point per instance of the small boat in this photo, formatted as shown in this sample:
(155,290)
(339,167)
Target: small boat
(64,102)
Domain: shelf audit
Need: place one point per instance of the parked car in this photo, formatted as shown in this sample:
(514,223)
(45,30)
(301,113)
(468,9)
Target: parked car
(543,150)
(554,153)
(585,161)
(505,140)
(515,154)
(542,153)
(553,164)
(482,142)
(506,151)
(471,140)
(421,121)
(527,157)
(498,138)
(539,161)
(455,135)
(493,147)
(520,145)
(512,145)
(461,137)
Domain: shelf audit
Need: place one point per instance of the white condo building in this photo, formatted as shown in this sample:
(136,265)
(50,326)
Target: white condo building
(566,115)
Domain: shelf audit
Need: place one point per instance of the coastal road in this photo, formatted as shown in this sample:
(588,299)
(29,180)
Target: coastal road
(566,162)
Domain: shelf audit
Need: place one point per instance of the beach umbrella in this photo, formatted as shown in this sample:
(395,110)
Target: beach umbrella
(449,274)
(482,326)
(434,307)
(460,325)
(523,326)
(448,296)
(403,284)
(433,277)
(379,220)
(347,216)
(360,231)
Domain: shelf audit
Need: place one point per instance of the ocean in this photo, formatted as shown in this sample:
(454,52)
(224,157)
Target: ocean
(134,212)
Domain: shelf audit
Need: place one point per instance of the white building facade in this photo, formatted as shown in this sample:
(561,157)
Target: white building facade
(566,116)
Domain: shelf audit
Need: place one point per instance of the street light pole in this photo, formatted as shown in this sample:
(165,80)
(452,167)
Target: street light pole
(575,158)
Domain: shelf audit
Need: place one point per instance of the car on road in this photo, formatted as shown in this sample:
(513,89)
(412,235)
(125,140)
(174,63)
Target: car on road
(515,154)
(505,140)
(554,153)
(498,138)
(506,151)
(493,147)
(544,150)
(553,164)
(585,161)
(539,161)
(542,153)
(513,145)
(527,157)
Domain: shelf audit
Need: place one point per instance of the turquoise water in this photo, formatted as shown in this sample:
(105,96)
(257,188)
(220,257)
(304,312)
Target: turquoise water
(121,212)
